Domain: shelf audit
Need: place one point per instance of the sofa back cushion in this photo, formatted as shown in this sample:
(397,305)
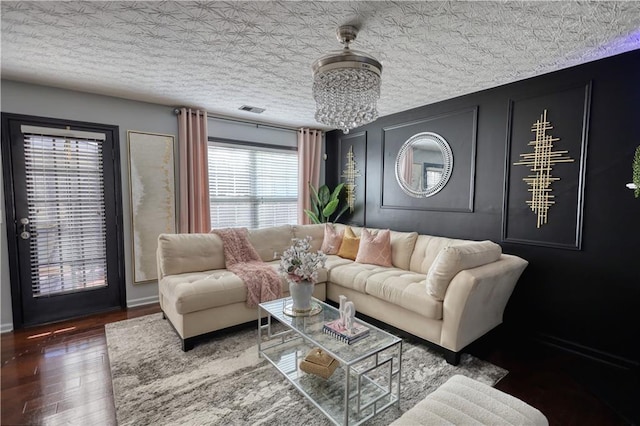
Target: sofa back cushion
(454,259)
(271,242)
(315,231)
(375,247)
(180,253)
(402,246)
(427,249)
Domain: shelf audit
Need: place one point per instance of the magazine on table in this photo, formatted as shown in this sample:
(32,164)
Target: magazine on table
(337,330)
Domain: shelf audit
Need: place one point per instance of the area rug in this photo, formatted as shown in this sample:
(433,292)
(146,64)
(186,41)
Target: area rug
(223,381)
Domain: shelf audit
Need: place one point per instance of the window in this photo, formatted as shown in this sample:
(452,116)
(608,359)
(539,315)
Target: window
(252,186)
(432,173)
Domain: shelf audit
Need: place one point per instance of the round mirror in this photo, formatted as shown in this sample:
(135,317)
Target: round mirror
(424,164)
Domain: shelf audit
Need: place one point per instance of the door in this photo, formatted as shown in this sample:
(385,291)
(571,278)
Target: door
(64,231)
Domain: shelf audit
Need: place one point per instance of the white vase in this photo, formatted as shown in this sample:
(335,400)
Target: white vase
(301,295)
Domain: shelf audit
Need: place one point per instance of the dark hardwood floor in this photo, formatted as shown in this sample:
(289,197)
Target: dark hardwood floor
(59,374)
(551,381)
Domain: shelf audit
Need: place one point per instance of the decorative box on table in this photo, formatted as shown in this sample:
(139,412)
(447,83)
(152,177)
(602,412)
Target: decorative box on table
(319,363)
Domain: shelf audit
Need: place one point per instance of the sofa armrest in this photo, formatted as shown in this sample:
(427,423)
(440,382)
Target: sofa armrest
(476,299)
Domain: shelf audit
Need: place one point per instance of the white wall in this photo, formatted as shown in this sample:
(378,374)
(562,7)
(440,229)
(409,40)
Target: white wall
(43,101)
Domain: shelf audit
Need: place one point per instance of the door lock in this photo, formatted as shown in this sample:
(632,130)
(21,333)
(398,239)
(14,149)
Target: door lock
(25,234)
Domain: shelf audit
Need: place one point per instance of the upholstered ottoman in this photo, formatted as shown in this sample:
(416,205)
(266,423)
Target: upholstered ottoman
(464,401)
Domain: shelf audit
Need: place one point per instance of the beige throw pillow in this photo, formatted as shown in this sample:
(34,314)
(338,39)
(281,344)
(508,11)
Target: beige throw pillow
(332,240)
(454,259)
(375,249)
(402,245)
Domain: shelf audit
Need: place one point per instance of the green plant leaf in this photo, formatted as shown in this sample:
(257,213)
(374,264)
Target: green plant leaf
(330,208)
(324,195)
(336,191)
(312,216)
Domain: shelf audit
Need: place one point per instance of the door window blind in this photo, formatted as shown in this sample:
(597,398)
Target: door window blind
(65,196)
(252,187)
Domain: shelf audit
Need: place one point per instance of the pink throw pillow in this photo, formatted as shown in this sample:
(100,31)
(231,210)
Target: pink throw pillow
(332,240)
(375,249)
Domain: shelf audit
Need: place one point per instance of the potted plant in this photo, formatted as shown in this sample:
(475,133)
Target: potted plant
(325,203)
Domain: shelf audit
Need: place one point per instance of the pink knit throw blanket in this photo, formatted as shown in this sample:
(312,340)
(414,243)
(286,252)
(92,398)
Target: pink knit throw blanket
(262,281)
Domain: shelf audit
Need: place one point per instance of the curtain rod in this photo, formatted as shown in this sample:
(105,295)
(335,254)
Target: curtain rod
(239,120)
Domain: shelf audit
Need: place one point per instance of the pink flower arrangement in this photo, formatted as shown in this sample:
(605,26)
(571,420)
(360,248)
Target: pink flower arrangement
(298,264)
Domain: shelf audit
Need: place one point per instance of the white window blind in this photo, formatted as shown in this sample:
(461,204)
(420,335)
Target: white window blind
(253,187)
(65,195)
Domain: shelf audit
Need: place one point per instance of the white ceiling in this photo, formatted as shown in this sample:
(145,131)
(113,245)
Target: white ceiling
(222,55)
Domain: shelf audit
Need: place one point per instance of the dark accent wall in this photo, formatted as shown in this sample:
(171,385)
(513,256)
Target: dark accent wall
(588,299)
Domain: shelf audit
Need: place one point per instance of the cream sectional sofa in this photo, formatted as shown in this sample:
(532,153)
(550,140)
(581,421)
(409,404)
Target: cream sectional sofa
(198,295)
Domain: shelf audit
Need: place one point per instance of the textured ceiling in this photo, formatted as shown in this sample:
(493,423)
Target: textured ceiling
(222,55)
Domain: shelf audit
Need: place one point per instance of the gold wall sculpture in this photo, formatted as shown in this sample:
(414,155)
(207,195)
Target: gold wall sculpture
(350,173)
(541,162)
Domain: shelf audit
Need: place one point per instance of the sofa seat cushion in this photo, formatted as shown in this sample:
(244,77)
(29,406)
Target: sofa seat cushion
(335,260)
(354,275)
(404,289)
(196,291)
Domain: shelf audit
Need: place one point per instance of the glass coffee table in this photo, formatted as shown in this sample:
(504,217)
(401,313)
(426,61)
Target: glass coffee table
(367,381)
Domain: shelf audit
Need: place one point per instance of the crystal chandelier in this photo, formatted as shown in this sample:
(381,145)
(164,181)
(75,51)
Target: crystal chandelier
(346,85)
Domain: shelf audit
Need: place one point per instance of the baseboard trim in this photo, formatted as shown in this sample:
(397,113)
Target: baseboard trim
(142,301)
(586,352)
(5,328)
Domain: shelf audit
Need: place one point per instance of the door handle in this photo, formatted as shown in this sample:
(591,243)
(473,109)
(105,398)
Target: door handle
(24,234)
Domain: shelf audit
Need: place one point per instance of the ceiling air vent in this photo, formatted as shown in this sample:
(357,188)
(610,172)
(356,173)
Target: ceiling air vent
(248,108)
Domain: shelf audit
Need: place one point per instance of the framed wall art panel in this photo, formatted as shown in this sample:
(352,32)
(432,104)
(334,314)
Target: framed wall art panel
(545,168)
(152,195)
(459,129)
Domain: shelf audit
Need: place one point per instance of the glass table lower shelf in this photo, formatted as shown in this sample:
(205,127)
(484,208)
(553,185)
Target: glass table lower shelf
(366,383)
